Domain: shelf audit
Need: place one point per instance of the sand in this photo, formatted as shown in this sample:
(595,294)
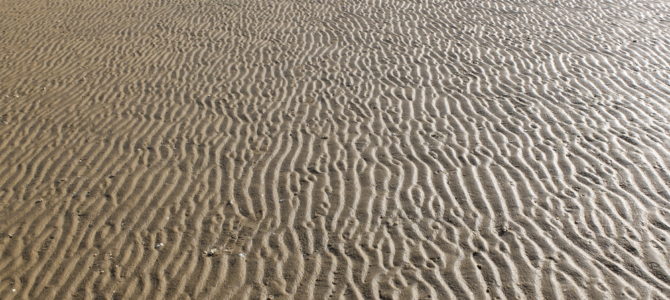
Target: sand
(344,149)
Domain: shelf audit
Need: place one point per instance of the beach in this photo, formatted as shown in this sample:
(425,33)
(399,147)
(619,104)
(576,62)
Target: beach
(270,149)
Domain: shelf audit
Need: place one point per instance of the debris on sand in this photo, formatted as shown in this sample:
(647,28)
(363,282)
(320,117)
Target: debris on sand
(212,252)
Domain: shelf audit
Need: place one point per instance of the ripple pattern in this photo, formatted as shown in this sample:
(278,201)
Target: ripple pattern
(310,149)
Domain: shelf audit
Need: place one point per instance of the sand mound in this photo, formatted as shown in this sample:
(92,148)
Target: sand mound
(347,149)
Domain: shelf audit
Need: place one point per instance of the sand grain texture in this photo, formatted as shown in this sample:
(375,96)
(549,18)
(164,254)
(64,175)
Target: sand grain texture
(345,149)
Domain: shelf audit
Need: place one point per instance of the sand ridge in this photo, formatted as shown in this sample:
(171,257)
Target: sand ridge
(261,149)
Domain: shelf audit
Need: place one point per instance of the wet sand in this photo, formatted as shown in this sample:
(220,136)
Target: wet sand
(346,149)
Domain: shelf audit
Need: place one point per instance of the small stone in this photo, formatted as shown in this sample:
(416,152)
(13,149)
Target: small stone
(159,245)
(211,252)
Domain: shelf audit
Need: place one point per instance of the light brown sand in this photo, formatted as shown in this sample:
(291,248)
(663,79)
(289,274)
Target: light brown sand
(217,149)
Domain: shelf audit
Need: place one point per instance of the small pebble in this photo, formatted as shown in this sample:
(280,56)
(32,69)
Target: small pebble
(159,245)
(211,252)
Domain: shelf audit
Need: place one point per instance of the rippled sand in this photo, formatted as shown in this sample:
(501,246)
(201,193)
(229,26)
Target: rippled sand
(341,149)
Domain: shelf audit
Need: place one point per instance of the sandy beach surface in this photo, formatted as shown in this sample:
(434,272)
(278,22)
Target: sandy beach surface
(345,149)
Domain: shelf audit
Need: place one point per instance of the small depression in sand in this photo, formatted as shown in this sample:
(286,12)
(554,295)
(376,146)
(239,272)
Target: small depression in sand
(271,149)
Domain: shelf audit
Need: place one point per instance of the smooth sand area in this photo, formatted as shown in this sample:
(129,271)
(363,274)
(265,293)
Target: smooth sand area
(344,149)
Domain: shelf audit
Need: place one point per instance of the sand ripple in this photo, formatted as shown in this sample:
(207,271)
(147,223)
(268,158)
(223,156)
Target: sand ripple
(348,149)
